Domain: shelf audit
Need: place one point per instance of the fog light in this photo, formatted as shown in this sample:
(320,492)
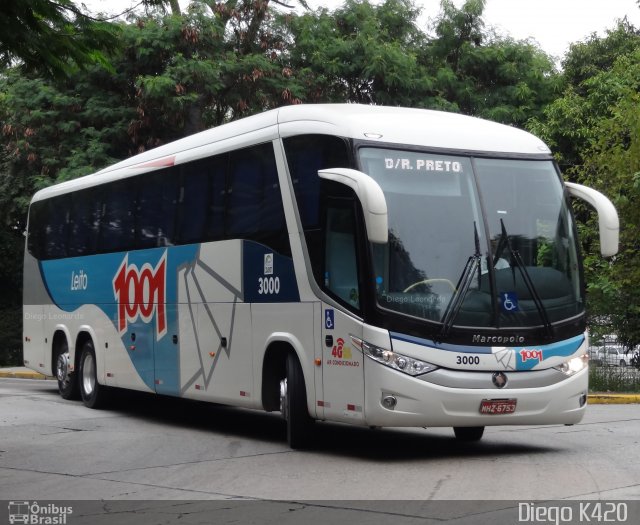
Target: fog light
(389,402)
(583,400)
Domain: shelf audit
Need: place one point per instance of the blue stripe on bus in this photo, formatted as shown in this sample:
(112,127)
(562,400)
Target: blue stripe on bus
(93,280)
(524,356)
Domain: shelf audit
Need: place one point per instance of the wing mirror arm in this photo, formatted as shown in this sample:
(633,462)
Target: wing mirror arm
(374,204)
(608,222)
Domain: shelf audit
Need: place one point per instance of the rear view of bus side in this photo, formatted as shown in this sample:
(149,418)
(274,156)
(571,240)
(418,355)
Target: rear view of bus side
(367,265)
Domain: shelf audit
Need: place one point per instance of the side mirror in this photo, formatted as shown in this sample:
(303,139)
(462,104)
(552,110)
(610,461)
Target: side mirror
(608,222)
(374,205)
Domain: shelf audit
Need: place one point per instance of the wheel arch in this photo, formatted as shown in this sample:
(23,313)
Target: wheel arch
(274,368)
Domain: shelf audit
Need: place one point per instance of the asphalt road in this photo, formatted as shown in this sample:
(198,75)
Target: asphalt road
(164,451)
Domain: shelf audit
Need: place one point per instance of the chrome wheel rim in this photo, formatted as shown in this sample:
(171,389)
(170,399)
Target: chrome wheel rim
(62,367)
(88,374)
(283,397)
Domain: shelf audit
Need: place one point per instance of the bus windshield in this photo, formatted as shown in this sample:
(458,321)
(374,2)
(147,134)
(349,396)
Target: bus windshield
(475,242)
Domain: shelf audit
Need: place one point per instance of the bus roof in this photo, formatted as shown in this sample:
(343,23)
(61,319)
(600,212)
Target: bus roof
(387,125)
(418,127)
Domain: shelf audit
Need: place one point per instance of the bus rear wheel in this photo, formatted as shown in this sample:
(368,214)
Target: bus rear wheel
(94,395)
(67,382)
(293,404)
(468,433)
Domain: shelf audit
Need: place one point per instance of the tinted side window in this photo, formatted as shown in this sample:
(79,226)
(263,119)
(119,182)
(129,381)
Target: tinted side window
(202,200)
(56,222)
(117,224)
(306,154)
(156,209)
(254,206)
(84,222)
(228,196)
(341,264)
(36,230)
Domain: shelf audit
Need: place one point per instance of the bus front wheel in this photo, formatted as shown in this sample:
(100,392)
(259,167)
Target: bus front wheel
(94,395)
(293,404)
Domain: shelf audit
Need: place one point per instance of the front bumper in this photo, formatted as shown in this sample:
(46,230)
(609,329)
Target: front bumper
(420,403)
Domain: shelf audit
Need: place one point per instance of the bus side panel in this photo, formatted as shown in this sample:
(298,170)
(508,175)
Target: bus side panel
(35,296)
(215,327)
(342,367)
(120,369)
(33,345)
(215,358)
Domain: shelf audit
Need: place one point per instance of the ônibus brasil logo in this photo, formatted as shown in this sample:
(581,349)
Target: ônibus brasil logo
(140,292)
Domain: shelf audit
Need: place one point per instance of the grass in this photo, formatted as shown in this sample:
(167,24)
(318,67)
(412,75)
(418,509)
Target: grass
(614,379)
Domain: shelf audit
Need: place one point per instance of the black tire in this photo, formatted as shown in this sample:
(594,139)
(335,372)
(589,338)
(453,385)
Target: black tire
(67,381)
(293,404)
(94,395)
(623,363)
(468,434)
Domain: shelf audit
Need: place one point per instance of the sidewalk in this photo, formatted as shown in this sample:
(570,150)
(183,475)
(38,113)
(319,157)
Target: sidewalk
(596,398)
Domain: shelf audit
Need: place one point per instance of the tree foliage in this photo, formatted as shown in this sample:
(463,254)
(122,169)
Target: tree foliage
(595,129)
(485,75)
(73,98)
(51,37)
(361,53)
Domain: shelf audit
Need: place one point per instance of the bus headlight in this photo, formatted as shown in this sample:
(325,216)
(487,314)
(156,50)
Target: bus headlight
(400,362)
(573,365)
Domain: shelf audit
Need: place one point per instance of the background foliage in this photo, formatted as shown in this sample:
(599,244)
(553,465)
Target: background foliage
(78,93)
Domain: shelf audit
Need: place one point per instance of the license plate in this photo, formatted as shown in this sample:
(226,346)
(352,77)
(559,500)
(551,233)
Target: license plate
(498,406)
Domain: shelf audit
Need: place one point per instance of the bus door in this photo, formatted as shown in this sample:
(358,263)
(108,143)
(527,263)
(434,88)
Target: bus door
(342,363)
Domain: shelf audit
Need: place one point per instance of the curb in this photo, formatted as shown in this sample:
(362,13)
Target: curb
(22,375)
(613,399)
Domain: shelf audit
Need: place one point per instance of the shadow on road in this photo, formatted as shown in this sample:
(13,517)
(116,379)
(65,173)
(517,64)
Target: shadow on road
(328,438)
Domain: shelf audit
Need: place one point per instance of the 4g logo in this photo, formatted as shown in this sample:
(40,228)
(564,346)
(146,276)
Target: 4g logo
(140,292)
(340,351)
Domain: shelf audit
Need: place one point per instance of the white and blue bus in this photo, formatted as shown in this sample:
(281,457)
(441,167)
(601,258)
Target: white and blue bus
(367,265)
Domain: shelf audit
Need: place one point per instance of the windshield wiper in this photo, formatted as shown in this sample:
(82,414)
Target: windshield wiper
(464,283)
(517,258)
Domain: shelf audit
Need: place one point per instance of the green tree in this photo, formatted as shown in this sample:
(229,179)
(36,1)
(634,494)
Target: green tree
(485,75)
(361,53)
(218,62)
(589,92)
(377,54)
(611,163)
(595,129)
(51,37)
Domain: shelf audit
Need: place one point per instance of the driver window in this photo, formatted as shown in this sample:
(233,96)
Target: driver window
(341,267)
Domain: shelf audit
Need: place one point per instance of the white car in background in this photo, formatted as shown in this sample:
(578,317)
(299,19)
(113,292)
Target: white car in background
(615,356)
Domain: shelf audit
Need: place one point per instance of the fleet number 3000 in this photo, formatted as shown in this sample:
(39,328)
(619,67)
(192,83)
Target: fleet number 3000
(268,285)
(467,360)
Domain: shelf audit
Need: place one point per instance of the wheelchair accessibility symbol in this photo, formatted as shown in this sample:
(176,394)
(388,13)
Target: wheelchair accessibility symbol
(328,319)
(510,302)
